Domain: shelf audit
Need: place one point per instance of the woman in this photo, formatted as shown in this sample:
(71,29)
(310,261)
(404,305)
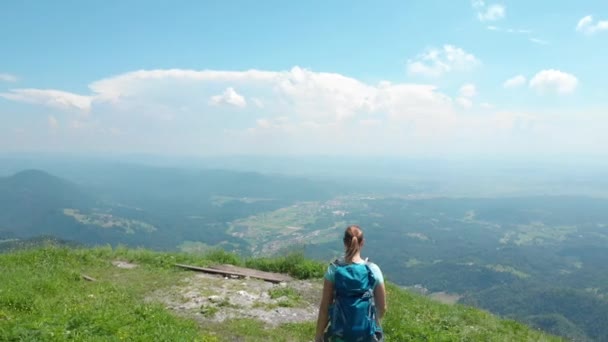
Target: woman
(356,276)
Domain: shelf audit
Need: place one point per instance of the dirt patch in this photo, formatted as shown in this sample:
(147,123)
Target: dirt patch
(211,298)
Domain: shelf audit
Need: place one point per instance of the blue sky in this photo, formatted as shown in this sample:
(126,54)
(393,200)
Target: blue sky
(412,78)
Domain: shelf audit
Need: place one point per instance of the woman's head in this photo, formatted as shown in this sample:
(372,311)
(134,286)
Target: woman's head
(353,241)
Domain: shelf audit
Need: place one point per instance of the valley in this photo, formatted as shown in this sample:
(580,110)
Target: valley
(500,254)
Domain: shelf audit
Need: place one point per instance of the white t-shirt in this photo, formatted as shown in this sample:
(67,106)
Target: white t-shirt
(331,271)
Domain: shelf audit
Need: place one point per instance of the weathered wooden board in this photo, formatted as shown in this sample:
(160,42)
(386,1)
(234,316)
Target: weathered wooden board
(240,272)
(279,277)
(88,278)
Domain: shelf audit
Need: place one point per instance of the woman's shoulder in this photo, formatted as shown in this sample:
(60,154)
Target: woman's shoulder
(373,265)
(374,268)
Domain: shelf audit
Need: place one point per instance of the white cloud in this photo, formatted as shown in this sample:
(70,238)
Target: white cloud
(587,25)
(464,102)
(522,32)
(131,83)
(468,90)
(514,82)
(230,97)
(8,78)
(303,112)
(435,62)
(554,81)
(53,123)
(370,122)
(50,97)
(492,13)
(486,12)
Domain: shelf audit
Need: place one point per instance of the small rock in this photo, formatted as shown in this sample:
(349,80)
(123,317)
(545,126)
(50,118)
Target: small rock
(283,284)
(123,264)
(246,295)
(215,299)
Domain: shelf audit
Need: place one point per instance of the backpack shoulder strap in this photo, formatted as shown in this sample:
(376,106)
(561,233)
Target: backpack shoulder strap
(338,262)
(370,275)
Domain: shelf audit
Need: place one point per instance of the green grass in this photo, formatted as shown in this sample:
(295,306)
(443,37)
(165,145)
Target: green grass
(44,298)
(252,330)
(286,296)
(209,311)
(415,318)
(287,292)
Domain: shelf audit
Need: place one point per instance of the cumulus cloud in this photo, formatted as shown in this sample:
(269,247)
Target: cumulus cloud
(132,83)
(464,102)
(588,25)
(8,78)
(514,82)
(555,81)
(436,62)
(492,12)
(229,97)
(468,90)
(50,97)
(289,111)
(370,122)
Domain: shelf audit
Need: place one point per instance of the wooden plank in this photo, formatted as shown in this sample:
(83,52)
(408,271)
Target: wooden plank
(86,277)
(253,273)
(240,272)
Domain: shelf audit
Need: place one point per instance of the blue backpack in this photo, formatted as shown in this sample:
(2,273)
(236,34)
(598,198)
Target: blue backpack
(353,314)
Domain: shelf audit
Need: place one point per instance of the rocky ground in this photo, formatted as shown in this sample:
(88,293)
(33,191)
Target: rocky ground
(213,298)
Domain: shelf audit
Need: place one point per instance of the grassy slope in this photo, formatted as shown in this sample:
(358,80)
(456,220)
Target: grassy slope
(43,298)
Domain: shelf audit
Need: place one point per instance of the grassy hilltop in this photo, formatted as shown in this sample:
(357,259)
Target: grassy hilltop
(43,297)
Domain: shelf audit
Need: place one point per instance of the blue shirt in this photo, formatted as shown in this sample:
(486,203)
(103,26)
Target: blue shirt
(331,272)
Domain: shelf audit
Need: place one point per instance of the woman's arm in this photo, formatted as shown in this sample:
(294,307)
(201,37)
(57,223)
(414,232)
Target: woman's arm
(326,299)
(380,300)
